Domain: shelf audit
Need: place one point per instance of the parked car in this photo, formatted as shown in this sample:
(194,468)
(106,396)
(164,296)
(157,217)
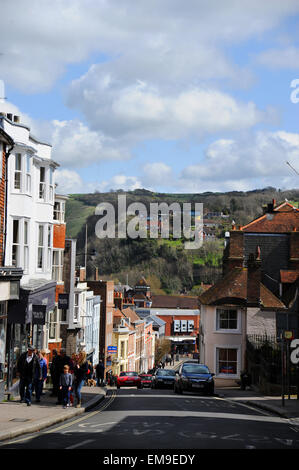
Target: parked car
(128,379)
(194,377)
(163,378)
(146,380)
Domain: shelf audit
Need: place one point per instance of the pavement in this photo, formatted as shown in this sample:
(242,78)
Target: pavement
(17,418)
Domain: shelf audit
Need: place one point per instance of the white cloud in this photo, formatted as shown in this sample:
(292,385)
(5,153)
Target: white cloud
(280,58)
(68,182)
(255,161)
(153,41)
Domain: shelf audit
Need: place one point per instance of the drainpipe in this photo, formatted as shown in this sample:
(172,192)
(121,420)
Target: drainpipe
(7,154)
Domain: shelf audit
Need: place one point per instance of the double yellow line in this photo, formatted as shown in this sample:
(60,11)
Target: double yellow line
(105,405)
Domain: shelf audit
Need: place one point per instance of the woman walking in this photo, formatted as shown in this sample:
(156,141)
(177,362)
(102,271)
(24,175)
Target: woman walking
(80,372)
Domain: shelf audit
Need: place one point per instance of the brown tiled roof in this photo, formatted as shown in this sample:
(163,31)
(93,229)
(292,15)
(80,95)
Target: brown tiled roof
(283,219)
(174,301)
(231,286)
(117,313)
(131,314)
(288,277)
(269,300)
(232,289)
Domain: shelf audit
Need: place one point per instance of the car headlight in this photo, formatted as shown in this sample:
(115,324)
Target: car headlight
(210,379)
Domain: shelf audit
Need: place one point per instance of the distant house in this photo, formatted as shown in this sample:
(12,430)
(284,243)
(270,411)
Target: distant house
(257,294)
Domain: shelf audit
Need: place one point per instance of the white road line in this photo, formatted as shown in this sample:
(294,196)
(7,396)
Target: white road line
(80,444)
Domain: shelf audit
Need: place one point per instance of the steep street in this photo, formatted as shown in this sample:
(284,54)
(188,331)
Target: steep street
(159,419)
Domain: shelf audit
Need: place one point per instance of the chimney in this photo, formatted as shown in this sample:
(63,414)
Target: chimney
(16,119)
(9,116)
(254,279)
(96,274)
(118,302)
(82,274)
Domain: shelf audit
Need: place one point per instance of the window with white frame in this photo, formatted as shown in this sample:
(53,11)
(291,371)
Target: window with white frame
(16,242)
(41,247)
(59,211)
(18,172)
(26,245)
(28,174)
(57,265)
(226,319)
(42,183)
(20,243)
(76,308)
(227,361)
(49,248)
(53,324)
(51,184)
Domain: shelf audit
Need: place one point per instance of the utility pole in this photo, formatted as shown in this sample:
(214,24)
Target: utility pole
(85,248)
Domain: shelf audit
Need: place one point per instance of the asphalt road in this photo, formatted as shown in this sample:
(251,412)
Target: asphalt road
(159,419)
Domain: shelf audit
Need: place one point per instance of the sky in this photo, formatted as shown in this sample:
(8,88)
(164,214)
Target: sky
(167,95)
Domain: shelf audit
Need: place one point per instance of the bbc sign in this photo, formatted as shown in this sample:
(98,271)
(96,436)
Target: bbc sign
(183,326)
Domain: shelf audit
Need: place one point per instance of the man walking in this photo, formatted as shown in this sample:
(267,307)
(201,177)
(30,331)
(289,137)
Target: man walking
(28,368)
(100,370)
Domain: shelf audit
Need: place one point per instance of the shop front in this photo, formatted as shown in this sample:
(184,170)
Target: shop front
(27,322)
(9,290)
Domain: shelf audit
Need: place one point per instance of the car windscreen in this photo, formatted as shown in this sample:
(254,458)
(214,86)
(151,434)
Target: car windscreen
(165,372)
(130,374)
(195,369)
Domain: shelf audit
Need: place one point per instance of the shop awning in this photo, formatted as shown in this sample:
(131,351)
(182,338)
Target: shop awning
(37,293)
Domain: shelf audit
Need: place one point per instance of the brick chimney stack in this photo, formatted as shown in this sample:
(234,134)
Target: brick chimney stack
(254,279)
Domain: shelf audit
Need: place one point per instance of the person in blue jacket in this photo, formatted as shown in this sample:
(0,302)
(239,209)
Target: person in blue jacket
(39,381)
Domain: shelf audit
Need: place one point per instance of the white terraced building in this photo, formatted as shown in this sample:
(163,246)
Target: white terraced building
(29,237)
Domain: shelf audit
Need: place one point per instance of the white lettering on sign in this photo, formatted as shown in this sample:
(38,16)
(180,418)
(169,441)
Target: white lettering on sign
(295,354)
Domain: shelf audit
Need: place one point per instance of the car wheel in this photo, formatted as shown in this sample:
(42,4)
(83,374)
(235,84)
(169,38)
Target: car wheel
(118,386)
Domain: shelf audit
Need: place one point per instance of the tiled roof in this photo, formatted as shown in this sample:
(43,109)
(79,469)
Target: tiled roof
(174,301)
(131,314)
(288,277)
(232,288)
(283,219)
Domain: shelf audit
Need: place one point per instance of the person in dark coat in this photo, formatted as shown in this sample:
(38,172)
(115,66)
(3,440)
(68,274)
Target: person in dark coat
(54,371)
(28,368)
(100,372)
(62,360)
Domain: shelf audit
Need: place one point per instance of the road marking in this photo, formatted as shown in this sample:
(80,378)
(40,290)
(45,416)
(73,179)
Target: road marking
(103,408)
(80,444)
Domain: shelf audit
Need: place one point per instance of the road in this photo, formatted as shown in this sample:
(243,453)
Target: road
(159,419)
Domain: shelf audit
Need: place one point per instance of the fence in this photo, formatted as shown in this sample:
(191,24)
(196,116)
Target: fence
(269,364)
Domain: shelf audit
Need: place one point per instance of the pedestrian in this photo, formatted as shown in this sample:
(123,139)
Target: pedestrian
(172,359)
(54,371)
(100,372)
(28,367)
(65,386)
(80,372)
(39,382)
(63,360)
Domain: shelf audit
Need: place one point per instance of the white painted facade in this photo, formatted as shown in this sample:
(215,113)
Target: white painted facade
(30,202)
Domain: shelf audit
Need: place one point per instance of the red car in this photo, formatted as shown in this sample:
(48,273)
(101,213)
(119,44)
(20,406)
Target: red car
(128,379)
(146,380)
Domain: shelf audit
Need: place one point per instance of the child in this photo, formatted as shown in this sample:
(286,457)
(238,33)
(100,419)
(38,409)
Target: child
(65,385)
